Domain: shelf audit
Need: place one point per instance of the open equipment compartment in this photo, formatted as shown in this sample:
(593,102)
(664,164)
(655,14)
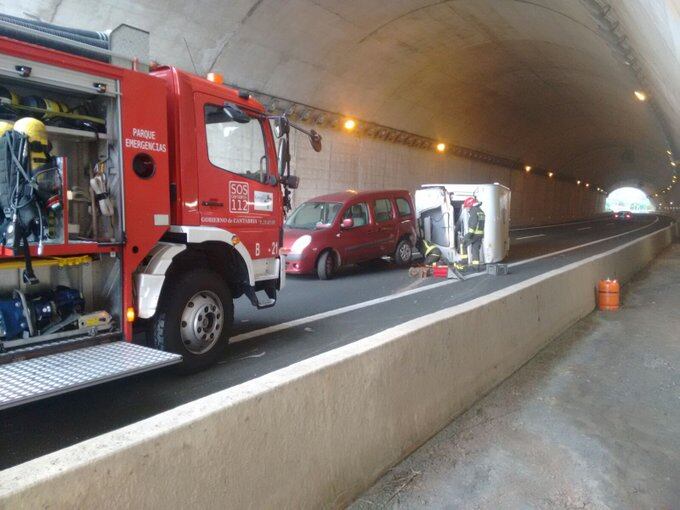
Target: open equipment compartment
(68,284)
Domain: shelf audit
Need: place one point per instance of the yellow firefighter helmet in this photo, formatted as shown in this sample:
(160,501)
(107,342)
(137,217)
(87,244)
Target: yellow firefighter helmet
(36,133)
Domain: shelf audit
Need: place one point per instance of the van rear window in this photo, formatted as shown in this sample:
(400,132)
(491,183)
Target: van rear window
(383,210)
(403,207)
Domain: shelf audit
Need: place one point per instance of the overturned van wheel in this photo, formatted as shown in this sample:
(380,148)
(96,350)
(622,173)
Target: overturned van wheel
(194,317)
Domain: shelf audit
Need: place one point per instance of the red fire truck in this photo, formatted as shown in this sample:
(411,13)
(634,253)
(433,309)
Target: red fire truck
(131,193)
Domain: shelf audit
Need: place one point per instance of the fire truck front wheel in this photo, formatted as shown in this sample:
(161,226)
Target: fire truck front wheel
(194,316)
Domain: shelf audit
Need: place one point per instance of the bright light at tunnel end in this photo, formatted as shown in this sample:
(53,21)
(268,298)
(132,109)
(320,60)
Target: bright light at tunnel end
(349,124)
(441,147)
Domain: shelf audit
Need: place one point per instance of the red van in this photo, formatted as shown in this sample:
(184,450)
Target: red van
(344,228)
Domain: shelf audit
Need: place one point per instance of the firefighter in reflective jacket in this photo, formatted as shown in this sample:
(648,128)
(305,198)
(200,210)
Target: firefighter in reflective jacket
(431,252)
(475,233)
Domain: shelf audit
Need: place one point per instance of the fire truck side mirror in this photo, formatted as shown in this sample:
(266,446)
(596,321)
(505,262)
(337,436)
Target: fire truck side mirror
(268,179)
(235,113)
(290,181)
(281,127)
(284,156)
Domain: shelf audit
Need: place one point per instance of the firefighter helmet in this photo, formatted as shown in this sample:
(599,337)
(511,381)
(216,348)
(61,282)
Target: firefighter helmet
(36,133)
(470,202)
(45,108)
(10,97)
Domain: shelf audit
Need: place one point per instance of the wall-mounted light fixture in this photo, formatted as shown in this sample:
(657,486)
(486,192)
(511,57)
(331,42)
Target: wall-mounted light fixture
(640,95)
(349,124)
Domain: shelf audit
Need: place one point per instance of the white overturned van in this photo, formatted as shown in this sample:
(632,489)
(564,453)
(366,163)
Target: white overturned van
(440,206)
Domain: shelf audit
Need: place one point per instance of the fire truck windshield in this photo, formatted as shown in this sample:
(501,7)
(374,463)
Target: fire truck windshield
(235,146)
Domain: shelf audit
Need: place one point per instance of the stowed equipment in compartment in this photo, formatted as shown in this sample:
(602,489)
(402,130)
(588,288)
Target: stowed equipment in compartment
(30,188)
(61,227)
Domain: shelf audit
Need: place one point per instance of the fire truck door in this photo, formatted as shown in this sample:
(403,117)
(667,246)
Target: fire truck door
(234,190)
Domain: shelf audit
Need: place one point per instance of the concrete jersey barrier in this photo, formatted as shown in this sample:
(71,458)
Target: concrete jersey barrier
(317,433)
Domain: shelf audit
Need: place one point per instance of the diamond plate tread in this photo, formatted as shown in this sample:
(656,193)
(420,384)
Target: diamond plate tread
(36,378)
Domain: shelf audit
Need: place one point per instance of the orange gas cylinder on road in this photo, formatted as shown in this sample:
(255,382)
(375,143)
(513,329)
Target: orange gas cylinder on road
(608,294)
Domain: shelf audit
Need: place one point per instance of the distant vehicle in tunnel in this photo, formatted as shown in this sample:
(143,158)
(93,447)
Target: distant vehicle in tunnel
(349,227)
(623,215)
(443,222)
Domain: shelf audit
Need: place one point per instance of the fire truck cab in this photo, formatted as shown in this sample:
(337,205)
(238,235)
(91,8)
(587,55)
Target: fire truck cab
(130,194)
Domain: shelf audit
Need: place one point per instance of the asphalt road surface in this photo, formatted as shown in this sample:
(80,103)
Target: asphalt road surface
(311,317)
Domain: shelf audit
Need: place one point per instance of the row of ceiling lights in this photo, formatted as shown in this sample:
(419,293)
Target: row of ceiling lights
(350,125)
(611,30)
(642,96)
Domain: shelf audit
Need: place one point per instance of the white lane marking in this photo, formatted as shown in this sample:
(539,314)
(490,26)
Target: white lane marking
(529,237)
(331,313)
(584,228)
(566,250)
(594,220)
(350,308)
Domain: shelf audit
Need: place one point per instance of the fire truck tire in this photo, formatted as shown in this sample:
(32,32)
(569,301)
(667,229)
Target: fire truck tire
(194,317)
(403,252)
(326,265)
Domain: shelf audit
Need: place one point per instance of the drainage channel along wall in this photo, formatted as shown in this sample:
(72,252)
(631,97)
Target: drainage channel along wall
(317,433)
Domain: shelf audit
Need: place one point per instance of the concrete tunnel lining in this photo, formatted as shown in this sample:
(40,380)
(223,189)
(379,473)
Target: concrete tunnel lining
(535,81)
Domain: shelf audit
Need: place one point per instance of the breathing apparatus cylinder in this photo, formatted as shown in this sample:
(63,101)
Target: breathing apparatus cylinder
(38,146)
(45,175)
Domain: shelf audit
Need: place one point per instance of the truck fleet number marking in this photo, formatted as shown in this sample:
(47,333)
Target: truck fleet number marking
(239,197)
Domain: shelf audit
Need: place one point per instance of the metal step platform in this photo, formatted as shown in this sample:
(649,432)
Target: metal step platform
(41,377)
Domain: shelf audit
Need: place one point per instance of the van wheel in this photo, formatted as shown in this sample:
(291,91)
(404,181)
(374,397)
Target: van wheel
(194,317)
(325,266)
(403,253)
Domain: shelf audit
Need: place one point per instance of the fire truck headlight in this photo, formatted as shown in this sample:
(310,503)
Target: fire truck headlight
(300,244)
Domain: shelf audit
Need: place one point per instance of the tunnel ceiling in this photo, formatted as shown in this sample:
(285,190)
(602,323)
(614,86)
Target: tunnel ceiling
(541,81)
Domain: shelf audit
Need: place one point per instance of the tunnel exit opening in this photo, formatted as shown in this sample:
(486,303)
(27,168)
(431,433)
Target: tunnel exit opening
(629,198)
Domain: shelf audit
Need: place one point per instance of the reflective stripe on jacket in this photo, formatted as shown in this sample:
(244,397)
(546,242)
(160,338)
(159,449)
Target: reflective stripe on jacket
(476,221)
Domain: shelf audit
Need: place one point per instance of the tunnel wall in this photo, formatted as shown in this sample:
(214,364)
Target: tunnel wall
(352,162)
(317,433)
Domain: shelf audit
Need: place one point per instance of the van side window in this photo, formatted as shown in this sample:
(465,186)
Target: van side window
(383,210)
(358,213)
(403,207)
(234,147)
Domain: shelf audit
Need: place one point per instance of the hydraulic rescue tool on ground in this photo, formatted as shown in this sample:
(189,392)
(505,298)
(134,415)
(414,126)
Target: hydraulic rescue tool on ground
(131,194)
